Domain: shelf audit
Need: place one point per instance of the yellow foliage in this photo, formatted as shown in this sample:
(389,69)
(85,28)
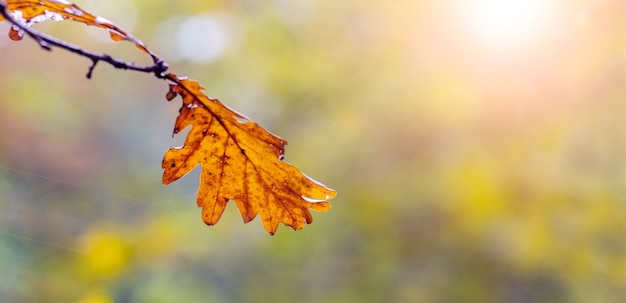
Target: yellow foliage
(107,254)
(534,241)
(95,296)
(476,189)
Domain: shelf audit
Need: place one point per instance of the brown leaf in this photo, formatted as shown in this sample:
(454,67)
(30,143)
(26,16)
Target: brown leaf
(241,161)
(31,12)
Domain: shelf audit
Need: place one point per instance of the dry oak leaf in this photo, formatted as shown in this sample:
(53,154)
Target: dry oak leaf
(240,161)
(30,12)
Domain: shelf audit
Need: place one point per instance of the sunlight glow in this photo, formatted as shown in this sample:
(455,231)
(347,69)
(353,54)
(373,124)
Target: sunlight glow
(506,22)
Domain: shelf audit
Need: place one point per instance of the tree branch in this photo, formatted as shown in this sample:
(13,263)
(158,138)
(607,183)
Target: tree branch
(47,42)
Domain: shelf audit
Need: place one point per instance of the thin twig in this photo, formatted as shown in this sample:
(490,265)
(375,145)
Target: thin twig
(46,42)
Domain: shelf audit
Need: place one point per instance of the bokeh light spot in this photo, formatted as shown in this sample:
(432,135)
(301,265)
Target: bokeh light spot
(506,22)
(201,38)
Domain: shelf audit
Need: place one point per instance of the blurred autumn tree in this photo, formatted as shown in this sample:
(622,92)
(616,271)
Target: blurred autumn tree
(472,167)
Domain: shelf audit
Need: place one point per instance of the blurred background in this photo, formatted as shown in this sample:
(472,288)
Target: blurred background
(478,149)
